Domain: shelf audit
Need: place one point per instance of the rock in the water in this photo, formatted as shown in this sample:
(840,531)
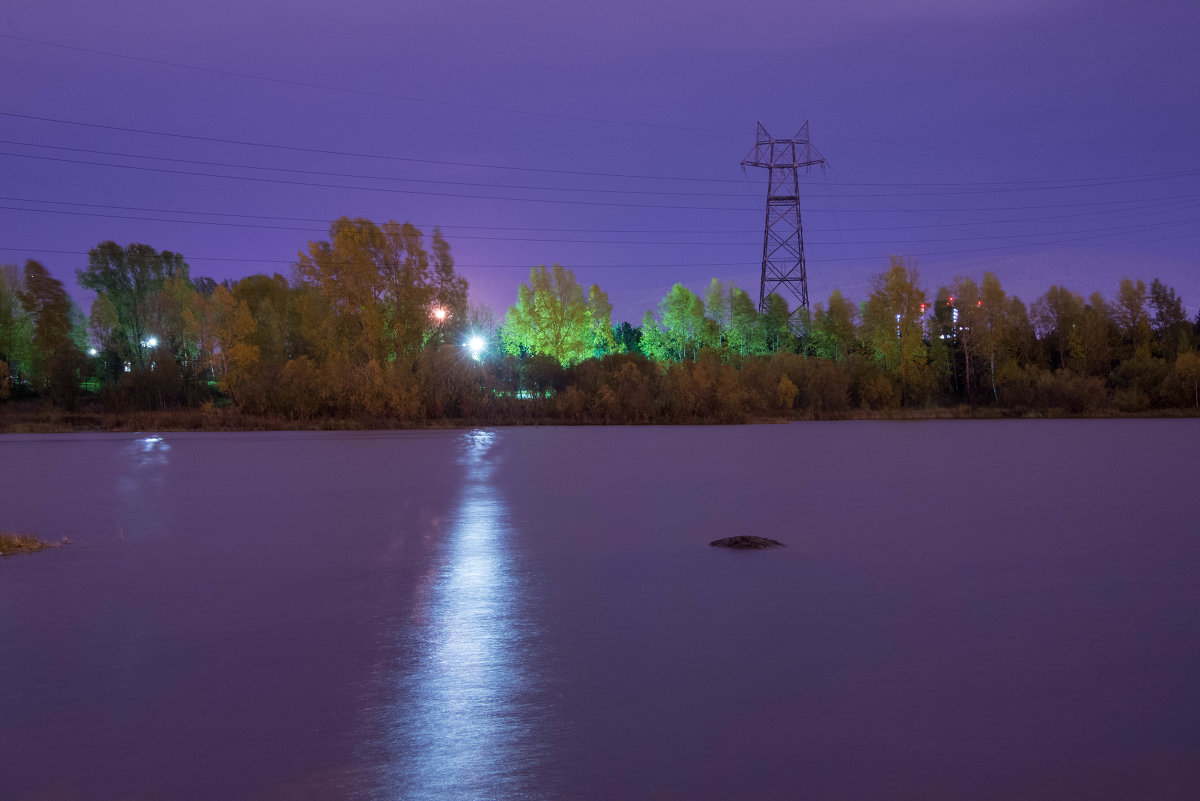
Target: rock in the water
(747,543)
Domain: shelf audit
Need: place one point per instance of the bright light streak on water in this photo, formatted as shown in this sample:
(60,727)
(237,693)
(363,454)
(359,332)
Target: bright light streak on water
(459,724)
(149,451)
(149,458)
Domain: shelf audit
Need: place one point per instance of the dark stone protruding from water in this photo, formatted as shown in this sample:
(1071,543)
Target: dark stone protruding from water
(745,542)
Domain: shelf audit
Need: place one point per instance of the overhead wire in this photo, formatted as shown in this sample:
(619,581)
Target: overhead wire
(396,190)
(1133,207)
(738,243)
(353,154)
(1052,183)
(387,189)
(1107,142)
(1070,242)
(371,92)
(438,181)
(524,266)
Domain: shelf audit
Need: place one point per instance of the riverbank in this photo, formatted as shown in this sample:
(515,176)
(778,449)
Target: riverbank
(38,418)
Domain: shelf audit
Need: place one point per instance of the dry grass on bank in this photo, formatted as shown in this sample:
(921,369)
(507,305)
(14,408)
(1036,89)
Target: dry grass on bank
(34,417)
(13,543)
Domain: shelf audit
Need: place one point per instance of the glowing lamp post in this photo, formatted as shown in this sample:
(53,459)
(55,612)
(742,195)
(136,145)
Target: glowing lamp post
(440,314)
(476,345)
(151,342)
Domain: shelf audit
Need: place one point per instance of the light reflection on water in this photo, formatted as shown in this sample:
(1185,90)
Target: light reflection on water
(148,457)
(149,451)
(460,726)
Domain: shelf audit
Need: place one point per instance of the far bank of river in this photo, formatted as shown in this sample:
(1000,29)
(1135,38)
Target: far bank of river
(37,418)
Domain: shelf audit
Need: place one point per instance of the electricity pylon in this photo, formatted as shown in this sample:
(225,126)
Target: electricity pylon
(783,237)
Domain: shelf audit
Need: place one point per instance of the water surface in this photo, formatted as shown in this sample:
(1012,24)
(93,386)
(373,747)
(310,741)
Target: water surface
(985,609)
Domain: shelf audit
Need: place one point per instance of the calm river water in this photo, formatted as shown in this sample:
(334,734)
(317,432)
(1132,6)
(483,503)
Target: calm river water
(983,610)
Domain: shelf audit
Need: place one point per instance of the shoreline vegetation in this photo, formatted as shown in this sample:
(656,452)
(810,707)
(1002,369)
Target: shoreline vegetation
(39,418)
(374,330)
(12,543)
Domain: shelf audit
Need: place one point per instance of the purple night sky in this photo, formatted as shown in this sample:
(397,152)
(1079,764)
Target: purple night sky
(1046,140)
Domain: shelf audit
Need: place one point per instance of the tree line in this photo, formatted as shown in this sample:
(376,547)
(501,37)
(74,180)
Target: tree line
(371,327)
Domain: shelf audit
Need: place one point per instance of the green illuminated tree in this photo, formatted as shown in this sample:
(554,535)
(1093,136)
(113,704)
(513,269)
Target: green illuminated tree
(676,335)
(743,323)
(553,318)
(774,325)
(716,309)
(628,337)
(833,328)
(16,331)
(600,331)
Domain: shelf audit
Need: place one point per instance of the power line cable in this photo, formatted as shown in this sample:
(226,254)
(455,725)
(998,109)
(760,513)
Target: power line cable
(525,266)
(883,257)
(386,157)
(984,187)
(1134,207)
(546,170)
(576,117)
(371,92)
(923,215)
(438,181)
(739,243)
(392,190)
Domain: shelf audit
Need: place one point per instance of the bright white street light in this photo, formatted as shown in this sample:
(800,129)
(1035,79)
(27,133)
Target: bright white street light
(151,342)
(477,345)
(92,351)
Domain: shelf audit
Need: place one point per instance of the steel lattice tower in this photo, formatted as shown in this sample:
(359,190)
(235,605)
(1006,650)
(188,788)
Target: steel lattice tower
(783,237)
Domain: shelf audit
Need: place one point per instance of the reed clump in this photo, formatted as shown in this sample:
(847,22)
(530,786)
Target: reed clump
(13,543)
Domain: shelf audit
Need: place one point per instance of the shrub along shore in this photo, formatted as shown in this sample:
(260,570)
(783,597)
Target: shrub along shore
(40,418)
